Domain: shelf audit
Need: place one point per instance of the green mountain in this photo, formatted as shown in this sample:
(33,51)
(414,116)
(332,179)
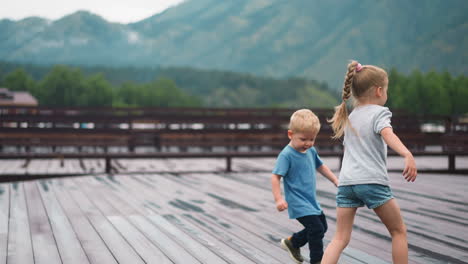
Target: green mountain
(310,38)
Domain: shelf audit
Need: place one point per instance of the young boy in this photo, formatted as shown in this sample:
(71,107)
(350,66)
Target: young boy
(297,164)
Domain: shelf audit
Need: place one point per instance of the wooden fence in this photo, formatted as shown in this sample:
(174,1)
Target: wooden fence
(42,132)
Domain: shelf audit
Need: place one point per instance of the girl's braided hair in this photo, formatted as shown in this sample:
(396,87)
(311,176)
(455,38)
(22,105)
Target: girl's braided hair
(358,81)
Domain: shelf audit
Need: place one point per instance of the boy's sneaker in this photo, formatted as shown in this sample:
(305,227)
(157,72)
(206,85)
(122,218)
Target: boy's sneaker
(294,253)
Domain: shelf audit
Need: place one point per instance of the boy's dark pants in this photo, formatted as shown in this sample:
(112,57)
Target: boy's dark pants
(314,230)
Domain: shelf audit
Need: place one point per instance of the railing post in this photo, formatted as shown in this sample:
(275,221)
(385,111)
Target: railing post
(108,164)
(451,162)
(228,164)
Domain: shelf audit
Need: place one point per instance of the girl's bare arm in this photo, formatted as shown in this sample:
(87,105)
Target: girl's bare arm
(410,172)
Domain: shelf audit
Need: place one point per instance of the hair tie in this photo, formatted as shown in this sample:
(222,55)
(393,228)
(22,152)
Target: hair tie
(359,67)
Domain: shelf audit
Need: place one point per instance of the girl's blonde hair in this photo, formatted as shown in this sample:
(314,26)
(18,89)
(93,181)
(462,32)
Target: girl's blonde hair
(359,80)
(304,120)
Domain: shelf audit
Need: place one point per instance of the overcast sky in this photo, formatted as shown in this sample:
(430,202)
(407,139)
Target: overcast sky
(123,11)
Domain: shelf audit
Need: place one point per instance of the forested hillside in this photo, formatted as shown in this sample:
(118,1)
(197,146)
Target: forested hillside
(432,93)
(153,87)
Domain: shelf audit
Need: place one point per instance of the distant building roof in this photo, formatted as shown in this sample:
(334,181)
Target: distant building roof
(13,98)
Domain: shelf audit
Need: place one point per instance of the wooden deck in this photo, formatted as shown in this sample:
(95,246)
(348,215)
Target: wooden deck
(184,211)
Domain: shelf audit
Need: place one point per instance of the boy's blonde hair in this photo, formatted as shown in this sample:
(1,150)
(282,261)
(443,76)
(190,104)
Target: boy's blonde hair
(359,80)
(304,120)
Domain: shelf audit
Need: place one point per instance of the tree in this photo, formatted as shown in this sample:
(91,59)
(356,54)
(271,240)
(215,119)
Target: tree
(458,94)
(97,92)
(62,86)
(128,94)
(165,93)
(19,80)
(159,93)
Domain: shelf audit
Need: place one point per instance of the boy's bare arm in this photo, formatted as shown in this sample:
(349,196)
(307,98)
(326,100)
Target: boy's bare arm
(410,172)
(327,173)
(281,204)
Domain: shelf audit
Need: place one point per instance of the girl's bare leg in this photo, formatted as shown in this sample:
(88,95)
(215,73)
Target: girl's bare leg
(344,226)
(389,214)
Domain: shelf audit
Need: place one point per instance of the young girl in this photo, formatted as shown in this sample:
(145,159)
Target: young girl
(363,176)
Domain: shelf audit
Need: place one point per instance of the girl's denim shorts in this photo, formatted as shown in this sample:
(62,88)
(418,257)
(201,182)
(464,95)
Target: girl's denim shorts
(371,195)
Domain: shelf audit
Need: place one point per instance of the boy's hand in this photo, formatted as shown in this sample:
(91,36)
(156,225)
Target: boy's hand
(281,205)
(410,172)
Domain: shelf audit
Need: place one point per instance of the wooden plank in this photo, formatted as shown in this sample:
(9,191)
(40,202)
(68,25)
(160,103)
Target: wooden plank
(237,243)
(240,246)
(3,165)
(116,243)
(147,251)
(70,248)
(14,167)
(219,213)
(93,245)
(136,192)
(421,225)
(42,236)
(425,243)
(4,215)
(261,247)
(20,249)
(202,253)
(170,248)
(193,246)
(436,217)
(261,194)
(225,215)
(208,240)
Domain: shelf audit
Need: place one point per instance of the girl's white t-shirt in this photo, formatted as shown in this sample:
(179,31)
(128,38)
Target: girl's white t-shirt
(365,152)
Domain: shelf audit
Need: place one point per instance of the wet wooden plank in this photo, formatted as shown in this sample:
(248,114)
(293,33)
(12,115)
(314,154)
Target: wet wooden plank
(225,214)
(222,249)
(122,251)
(13,167)
(70,248)
(217,217)
(145,206)
(202,253)
(173,250)
(266,250)
(20,249)
(93,245)
(209,241)
(141,244)
(42,236)
(430,239)
(239,244)
(263,200)
(4,215)
(222,217)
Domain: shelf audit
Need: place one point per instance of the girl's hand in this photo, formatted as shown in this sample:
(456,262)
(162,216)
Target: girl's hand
(410,172)
(281,205)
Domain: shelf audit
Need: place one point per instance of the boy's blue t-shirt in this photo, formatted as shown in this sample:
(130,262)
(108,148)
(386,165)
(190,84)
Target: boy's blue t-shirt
(299,178)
